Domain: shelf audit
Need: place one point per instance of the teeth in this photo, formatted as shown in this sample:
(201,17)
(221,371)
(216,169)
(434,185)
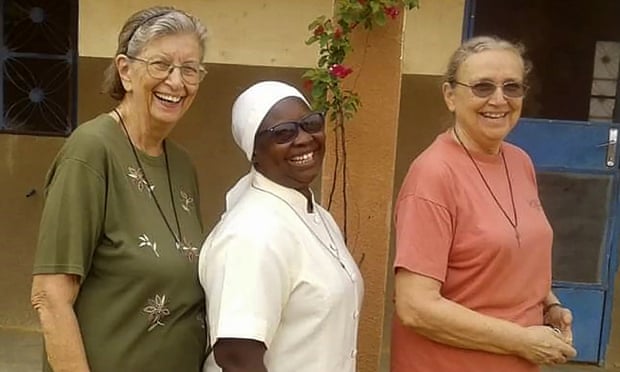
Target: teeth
(168,98)
(302,159)
(494,115)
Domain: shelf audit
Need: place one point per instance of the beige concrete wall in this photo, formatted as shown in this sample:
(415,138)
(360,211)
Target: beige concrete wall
(23,163)
(431,35)
(248,32)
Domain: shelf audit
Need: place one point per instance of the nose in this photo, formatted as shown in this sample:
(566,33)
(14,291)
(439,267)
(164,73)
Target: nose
(303,137)
(498,96)
(175,79)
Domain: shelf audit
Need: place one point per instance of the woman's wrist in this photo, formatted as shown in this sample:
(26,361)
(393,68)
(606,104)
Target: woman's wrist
(551,305)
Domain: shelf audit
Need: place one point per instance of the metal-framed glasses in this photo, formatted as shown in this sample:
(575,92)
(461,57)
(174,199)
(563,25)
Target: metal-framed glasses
(191,73)
(485,89)
(287,132)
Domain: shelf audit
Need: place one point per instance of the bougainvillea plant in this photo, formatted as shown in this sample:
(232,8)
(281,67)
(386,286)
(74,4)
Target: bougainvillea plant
(324,82)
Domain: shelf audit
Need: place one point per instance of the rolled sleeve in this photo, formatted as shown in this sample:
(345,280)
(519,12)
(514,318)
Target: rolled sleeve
(247,282)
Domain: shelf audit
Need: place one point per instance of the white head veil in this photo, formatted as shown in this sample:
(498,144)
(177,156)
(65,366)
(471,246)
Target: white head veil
(248,112)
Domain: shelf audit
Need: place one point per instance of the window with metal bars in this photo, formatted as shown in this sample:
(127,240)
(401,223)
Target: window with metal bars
(605,82)
(38,55)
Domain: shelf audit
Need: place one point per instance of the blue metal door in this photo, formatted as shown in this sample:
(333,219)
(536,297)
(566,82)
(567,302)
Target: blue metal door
(578,179)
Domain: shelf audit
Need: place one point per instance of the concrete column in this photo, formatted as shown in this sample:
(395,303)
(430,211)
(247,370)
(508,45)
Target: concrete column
(371,152)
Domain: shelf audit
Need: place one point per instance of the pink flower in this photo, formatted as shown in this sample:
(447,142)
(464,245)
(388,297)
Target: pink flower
(391,11)
(340,71)
(338,33)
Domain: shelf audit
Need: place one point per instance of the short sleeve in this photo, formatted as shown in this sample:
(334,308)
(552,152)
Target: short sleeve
(72,219)
(246,278)
(424,219)
(424,234)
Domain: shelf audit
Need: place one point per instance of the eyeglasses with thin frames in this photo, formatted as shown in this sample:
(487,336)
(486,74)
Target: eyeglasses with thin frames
(191,73)
(485,89)
(287,132)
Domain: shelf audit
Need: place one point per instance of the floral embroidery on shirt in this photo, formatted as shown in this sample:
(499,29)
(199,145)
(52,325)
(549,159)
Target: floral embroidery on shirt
(146,242)
(187,201)
(188,249)
(157,310)
(138,179)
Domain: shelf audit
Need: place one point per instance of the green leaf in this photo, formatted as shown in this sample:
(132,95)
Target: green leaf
(323,60)
(318,21)
(380,19)
(311,40)
(375,6)
(410,4)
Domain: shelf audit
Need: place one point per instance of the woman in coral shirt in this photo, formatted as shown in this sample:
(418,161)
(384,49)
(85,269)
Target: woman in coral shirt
(473,245)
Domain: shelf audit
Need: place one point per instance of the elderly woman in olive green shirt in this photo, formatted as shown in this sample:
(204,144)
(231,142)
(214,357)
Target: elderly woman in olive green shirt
(115,277)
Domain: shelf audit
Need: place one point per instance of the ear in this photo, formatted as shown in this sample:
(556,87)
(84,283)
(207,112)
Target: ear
(123,66)
(448,96)
(254,159)
(255,162)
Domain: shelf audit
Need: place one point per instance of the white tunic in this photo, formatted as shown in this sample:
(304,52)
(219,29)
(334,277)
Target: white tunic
(276,273)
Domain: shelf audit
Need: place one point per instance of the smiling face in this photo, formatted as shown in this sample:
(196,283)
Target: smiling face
(294,164)
(161,100)
(485,122)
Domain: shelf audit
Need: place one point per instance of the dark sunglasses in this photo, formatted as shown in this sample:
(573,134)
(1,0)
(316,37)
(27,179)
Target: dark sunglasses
(484,89)
(288,131)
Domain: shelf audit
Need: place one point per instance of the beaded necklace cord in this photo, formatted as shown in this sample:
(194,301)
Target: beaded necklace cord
(514,222)
(178,239)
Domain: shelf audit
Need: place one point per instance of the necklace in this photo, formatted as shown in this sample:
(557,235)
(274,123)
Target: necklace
(514,222)
(332,245)
(180,243)
(331,248)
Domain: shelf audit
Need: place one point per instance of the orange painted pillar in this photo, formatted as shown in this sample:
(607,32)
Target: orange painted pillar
(371,153)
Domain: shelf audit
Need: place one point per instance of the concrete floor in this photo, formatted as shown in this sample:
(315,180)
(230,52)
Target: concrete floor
(20,351)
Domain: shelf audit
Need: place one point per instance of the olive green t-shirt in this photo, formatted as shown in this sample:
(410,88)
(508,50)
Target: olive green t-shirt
(140,306)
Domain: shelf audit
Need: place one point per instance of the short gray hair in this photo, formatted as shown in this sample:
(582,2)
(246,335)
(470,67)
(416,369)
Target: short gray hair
(143,27)
(480,44)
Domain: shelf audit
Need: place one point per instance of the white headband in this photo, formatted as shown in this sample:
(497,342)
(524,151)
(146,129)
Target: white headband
(251,107)
(248,112)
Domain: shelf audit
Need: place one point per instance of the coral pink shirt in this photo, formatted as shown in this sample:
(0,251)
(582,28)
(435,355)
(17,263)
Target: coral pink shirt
(448,227)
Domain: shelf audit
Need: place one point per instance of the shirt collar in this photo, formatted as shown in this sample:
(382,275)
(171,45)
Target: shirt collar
(291,196)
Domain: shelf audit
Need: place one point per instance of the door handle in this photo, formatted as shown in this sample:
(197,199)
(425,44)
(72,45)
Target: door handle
(612,147)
